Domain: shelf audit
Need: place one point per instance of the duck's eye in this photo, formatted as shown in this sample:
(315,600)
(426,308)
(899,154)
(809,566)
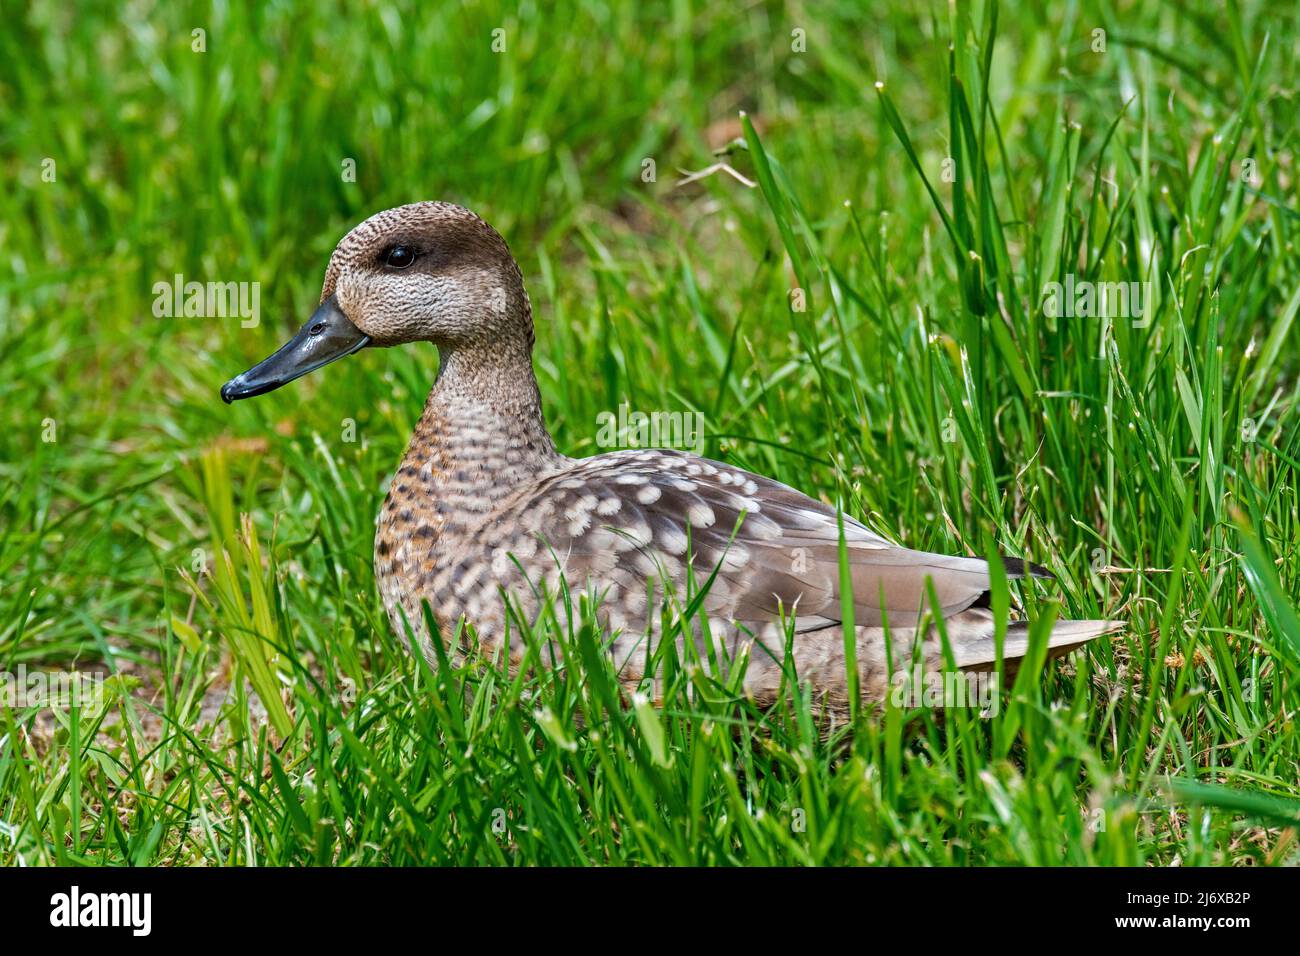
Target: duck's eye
(398,257)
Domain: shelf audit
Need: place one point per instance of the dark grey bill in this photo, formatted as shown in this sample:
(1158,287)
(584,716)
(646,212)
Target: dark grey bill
(328,335)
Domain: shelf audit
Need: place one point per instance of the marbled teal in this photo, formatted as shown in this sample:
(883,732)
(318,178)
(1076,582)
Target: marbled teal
(484,505)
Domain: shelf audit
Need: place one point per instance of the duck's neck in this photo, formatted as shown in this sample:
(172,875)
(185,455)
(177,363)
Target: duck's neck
(481,435)
(485,412)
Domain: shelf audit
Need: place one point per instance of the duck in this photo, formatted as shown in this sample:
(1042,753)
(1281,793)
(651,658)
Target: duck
(486,521)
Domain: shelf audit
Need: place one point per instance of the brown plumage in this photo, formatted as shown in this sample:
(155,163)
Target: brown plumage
(483,503)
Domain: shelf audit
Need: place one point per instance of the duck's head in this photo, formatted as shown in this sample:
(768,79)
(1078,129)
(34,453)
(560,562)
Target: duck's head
(427,272)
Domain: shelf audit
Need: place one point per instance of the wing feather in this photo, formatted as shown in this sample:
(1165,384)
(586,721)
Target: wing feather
(629,516)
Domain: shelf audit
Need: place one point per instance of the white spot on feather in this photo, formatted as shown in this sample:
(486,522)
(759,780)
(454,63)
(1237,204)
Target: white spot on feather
(700,515)
(736,558)
(761,527)
(672,539)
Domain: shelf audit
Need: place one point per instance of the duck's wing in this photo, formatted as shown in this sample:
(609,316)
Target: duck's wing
(623,518)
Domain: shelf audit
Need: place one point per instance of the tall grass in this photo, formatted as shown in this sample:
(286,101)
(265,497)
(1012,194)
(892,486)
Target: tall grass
(923,173)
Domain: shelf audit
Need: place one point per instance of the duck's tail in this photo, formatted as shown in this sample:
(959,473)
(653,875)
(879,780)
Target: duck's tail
(979,653)
(890,664)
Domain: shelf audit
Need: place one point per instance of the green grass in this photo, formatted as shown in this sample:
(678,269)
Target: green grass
(260,711)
